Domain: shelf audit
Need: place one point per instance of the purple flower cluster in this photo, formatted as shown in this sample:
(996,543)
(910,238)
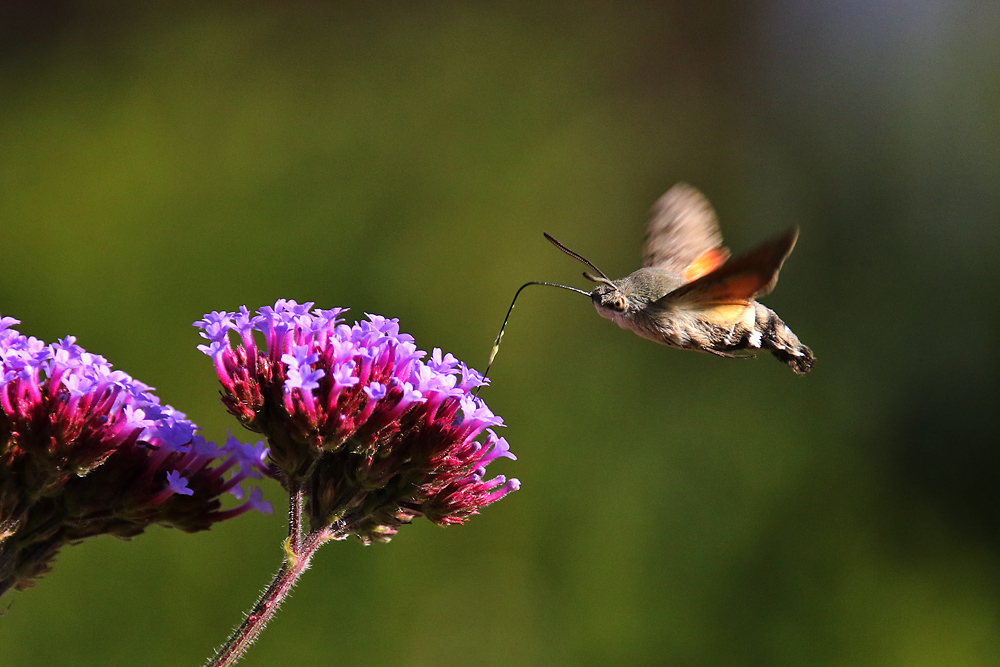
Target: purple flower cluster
(374,432)
(86,450)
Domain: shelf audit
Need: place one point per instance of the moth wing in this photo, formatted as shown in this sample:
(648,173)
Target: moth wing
(739,281)
(683,234)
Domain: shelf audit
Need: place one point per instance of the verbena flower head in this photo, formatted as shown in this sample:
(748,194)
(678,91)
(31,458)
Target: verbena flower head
(86,450)
(374,431)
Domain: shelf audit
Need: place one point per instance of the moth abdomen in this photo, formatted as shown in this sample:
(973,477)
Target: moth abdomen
(772,334)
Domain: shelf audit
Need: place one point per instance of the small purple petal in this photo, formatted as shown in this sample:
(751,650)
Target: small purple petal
(343,375)
(178,484)
(442,364)
(376,391)
(256,501)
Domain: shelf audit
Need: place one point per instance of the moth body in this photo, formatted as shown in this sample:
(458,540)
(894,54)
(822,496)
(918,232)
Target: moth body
(689,293)
(637,303)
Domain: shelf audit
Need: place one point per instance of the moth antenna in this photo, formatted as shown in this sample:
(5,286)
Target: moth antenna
(579,257)
(601,280)
(496,343)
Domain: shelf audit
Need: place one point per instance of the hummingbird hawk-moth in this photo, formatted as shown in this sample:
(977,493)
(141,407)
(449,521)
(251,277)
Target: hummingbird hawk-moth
(689,293)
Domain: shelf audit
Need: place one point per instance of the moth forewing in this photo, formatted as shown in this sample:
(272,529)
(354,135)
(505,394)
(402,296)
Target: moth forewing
(742,279)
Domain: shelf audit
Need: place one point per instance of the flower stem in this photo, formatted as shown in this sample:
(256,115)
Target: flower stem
(295,501)
(296,562)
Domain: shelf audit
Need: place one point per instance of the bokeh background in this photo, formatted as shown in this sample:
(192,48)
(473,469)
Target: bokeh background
(404,159)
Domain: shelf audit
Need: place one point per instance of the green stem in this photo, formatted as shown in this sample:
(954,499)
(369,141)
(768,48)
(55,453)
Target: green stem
(295,501)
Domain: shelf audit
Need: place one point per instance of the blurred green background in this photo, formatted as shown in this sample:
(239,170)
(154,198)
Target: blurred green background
(404,159)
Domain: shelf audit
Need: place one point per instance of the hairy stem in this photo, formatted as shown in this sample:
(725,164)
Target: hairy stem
(299,550)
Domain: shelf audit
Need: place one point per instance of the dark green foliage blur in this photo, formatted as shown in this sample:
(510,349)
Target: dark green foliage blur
(404,159)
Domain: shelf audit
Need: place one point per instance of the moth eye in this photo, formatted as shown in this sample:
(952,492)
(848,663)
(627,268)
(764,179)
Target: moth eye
(615,302)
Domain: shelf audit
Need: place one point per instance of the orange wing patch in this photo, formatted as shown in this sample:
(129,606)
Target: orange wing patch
(706,262)
(739,281)
(731,290)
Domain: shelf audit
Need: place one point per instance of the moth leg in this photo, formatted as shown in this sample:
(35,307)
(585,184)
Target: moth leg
(729,355)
